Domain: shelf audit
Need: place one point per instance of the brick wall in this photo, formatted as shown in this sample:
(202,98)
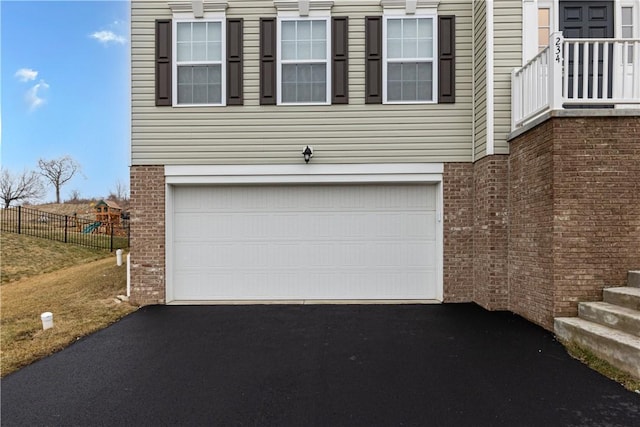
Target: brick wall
(575,213)
(490,232)
(531,225)
(147,235)
(458,232)
(596,206)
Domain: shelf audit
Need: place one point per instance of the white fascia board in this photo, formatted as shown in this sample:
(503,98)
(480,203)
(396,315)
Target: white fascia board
(489,73)
(304,174)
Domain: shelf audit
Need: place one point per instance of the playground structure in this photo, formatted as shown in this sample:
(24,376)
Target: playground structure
(75,229)
(108,220)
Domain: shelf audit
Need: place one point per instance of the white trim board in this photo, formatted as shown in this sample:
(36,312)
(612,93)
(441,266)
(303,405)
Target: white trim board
(273,174)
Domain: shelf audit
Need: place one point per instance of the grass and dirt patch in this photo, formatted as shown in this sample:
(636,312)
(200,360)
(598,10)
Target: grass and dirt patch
(27,256)
(80,293)
(603,367)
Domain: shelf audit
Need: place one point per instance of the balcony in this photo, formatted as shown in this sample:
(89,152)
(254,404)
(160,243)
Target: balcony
(576,73)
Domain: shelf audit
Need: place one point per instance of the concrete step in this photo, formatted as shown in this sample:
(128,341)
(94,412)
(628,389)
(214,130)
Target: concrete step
(621,318)
(619,348)
(633,279)
(625,297)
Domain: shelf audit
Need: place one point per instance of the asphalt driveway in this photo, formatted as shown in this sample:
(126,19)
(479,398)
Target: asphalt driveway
(371,365)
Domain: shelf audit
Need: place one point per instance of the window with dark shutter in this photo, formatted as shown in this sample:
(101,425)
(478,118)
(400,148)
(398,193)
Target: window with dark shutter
(163,62)
(373,60)
(268,61)
(234,62)
(340,60)
(446,59)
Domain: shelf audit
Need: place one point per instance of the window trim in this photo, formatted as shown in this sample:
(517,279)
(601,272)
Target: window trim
(223,60)
(279,61)
(623,25)
(633,26)
(548,27)
(433,60)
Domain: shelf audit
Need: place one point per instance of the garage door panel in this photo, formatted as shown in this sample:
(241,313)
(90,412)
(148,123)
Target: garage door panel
(189,254)
(418,255)
(304,242)
(188,226)
(191,292)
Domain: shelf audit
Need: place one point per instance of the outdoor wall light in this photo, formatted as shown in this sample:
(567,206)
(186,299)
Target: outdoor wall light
(307,153)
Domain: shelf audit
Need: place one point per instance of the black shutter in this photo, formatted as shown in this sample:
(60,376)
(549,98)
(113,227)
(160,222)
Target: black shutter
(234,61)
(446,59)
(163,62)
(373,60)
(268,63)
(340,60)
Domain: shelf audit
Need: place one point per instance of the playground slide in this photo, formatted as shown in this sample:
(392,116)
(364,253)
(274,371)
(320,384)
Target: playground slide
(91,227)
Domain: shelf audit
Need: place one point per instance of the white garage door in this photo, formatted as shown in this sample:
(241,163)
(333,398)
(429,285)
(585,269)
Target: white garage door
(309,242)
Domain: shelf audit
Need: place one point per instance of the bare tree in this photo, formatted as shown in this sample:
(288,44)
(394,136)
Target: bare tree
(21,187)
(120,193)
(74,196)
(59,171)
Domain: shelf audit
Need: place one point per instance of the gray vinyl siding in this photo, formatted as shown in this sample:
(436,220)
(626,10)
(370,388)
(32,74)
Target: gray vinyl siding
(480,78)
(507,16)
(255,134)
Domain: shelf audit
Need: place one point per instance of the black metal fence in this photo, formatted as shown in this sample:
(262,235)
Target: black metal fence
(65,228)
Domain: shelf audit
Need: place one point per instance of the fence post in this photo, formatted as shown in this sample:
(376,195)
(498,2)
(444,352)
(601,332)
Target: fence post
(111,245)
(66,224)
(556,44)
(19,218)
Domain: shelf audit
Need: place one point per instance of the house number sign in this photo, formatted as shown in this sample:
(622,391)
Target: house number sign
(558,49)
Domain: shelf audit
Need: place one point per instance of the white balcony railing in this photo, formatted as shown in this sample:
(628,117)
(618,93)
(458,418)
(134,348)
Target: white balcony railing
(576,72)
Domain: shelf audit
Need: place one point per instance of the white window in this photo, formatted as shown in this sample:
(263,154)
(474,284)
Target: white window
(199,75)
(627,30)
(409,54)
(544,27)
(303,67)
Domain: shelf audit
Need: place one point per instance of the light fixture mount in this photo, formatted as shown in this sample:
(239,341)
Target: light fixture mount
(307,152)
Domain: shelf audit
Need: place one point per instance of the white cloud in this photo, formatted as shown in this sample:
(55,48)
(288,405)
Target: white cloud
(26,74)
(106,37)
(34,95)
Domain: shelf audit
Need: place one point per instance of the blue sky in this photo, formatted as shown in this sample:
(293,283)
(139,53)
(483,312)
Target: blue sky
(65,89)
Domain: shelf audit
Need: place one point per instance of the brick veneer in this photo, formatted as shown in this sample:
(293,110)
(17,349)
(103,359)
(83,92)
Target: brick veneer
(490,225)
(458,232)
(147,235)
(530,257)
(574,213)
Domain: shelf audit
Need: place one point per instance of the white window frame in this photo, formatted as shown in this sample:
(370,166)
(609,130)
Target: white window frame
(433,60)
(541,47)
(281,62)
(635,17)
(222,62)
(634,28)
